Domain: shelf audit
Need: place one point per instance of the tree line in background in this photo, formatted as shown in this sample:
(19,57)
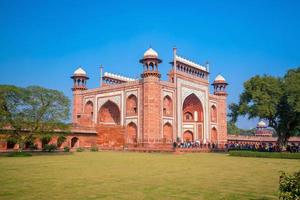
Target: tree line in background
(274,99)
(32,112)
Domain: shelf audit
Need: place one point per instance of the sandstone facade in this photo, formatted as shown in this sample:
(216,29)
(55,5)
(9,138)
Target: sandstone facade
(125,112)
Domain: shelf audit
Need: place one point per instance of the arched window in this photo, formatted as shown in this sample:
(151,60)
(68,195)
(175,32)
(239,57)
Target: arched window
(188,116)
(109,113)
(168,132)
(88,114)
(131,105)
(213,113)
(192,105)
(214,135)
(167,106)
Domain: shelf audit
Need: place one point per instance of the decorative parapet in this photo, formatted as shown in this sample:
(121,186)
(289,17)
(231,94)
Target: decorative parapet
(191,63)
(111,78)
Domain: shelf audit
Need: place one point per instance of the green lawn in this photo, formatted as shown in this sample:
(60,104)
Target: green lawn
(121,175)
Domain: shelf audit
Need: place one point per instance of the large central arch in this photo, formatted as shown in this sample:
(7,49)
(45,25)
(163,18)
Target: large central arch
(192,109)
(109,113)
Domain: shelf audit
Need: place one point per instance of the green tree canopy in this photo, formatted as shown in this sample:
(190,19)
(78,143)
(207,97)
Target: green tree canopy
(32,111)
(274,99)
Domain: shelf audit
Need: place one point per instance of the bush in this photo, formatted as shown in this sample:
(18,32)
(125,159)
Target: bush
(289,186)
(33,147)
(66,149)
(50,147)
(284,155)
(80,149)
(94,148)
(19,154)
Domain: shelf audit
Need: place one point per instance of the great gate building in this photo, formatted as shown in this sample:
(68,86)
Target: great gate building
(150,111)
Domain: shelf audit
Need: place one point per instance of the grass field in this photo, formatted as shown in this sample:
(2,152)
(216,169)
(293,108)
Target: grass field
(121,175)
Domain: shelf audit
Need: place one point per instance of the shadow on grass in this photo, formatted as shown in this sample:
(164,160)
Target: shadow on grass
(34,153)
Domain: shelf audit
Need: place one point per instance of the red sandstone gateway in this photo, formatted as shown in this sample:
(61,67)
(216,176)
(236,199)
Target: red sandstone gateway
(149,112)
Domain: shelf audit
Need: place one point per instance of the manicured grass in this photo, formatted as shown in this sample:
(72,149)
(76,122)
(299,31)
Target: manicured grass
(125,175)
(285,155)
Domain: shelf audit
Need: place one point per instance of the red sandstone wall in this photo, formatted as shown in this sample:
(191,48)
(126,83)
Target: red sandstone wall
(111,136)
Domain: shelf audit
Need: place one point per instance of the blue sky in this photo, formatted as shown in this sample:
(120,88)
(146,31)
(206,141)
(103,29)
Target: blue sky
(43,42)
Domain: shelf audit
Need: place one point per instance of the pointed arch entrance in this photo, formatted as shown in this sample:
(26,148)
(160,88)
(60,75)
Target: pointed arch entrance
(192,109)
(109,113)
(193,118)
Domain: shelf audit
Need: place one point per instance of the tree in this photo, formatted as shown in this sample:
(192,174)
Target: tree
(232,129)
(27,113)
(274,99)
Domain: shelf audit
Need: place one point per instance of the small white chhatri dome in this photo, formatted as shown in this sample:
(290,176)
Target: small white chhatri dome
(150,53)
(220,78)
(79,71)
(262,124)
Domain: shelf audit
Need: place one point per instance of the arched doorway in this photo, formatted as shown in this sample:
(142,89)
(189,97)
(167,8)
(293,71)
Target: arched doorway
(74,142)
(88,113)
(168,132)
(131,105)
(192,109)
(188,136)
(214,135)
(109,113)
(131,133)
(167,106)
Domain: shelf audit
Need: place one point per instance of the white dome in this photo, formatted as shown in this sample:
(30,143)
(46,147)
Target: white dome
(150,53)
(79,71)
(220,78)
(262,124)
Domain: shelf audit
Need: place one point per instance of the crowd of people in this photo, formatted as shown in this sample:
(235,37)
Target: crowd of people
(263,147)
(196,144)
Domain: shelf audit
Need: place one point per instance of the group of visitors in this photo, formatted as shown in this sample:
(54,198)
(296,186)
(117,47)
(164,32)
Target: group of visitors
(192,144)
(263,147)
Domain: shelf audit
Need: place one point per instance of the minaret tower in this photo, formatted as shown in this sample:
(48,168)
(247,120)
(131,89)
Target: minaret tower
(151,98)
(150,63)
(220,85)
(79,79)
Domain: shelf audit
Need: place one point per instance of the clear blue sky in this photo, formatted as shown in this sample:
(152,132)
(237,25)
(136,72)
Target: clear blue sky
(43,42)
